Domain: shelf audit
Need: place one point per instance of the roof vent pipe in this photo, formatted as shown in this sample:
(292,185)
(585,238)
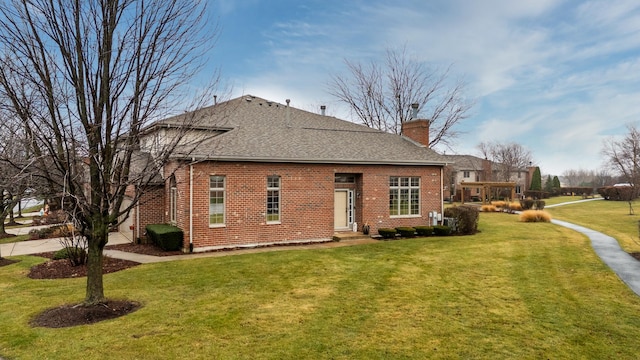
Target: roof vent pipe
(323,109)
(288,114)
(414,110)
(215,99)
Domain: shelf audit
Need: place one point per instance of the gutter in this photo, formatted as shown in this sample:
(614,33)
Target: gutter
(314,161)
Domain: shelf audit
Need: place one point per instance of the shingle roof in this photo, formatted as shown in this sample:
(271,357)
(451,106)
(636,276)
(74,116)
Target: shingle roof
(256,129)
(465,162)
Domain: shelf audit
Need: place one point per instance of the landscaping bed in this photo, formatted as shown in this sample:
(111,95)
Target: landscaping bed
(62,269)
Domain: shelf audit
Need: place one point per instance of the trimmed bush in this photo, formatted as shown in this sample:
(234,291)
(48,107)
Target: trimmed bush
(617,193)
(526,204)
(535,216)
(466,219)
(406,232)
(424,230)
(579,190)
(540,204)
(387,233)
(441,230)
(167,237)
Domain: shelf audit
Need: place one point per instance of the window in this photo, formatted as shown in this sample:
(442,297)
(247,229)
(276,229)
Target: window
(173,202)
(404,196)
(466,174)
(273,199)
(345,179)
(216,200)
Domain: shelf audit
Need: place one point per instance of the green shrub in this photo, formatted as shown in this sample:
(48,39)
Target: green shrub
(540,204)
(424,230)
(61,254)
(618,193)
(466,219)
(77,256)
(167,237)
(527,204)
(406,232)
(441,230)
(387,233)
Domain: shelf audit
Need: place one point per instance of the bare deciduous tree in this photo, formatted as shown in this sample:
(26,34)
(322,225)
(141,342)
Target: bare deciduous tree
(579,177)
(15,176)
(85,78)
(509,157)
(623,158)
(380,95)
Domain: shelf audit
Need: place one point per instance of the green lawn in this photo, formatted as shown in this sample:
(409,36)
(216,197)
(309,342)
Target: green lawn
(516,290)
(609,217)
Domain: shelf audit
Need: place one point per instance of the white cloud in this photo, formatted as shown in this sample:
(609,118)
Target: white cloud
(551,75)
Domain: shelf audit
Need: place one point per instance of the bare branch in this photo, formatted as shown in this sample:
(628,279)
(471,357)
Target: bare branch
(84,79)
(380,95)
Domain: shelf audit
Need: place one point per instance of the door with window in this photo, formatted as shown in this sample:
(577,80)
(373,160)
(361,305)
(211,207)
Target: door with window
(343,209)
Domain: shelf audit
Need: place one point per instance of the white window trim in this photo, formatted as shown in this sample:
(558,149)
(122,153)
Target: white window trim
(419,214)
(279,190)
(173,205)
(224,201)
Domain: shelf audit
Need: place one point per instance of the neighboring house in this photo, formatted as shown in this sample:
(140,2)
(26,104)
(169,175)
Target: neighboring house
(468,168)
(267,173)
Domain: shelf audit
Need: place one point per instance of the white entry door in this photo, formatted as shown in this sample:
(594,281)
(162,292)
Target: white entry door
(342,209)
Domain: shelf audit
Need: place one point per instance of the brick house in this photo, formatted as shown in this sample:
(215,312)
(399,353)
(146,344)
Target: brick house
(469,168)
(267,173)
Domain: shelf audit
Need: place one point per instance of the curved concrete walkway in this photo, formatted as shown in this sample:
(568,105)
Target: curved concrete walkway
(607,248)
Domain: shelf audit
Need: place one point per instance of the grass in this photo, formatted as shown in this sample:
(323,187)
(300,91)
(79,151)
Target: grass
(609,217)
(515,290)
(17,238)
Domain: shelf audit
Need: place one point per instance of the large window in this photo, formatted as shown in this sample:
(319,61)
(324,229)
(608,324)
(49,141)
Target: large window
(216,200)
(404,196)
(273,199)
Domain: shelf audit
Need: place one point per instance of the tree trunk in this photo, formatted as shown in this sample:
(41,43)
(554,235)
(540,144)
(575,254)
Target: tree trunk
(3,232)
(96,243)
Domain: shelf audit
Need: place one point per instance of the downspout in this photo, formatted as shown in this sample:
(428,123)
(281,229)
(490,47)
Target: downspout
(191,206)
(442,192)
(136,238)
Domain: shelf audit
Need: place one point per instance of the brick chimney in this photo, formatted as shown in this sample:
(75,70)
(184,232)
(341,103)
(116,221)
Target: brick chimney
(487,170)
(416,129)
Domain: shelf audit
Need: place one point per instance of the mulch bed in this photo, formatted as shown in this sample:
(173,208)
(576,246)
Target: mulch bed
(73,315)
(147,249)
(62,269)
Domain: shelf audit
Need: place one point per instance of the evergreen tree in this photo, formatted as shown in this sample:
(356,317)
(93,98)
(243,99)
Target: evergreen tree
(556,185)
(536,180)
(548,185)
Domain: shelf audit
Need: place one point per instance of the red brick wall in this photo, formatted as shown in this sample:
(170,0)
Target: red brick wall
(152,208)
(306,201)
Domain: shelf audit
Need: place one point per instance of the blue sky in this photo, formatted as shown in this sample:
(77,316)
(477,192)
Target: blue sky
(558,77)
